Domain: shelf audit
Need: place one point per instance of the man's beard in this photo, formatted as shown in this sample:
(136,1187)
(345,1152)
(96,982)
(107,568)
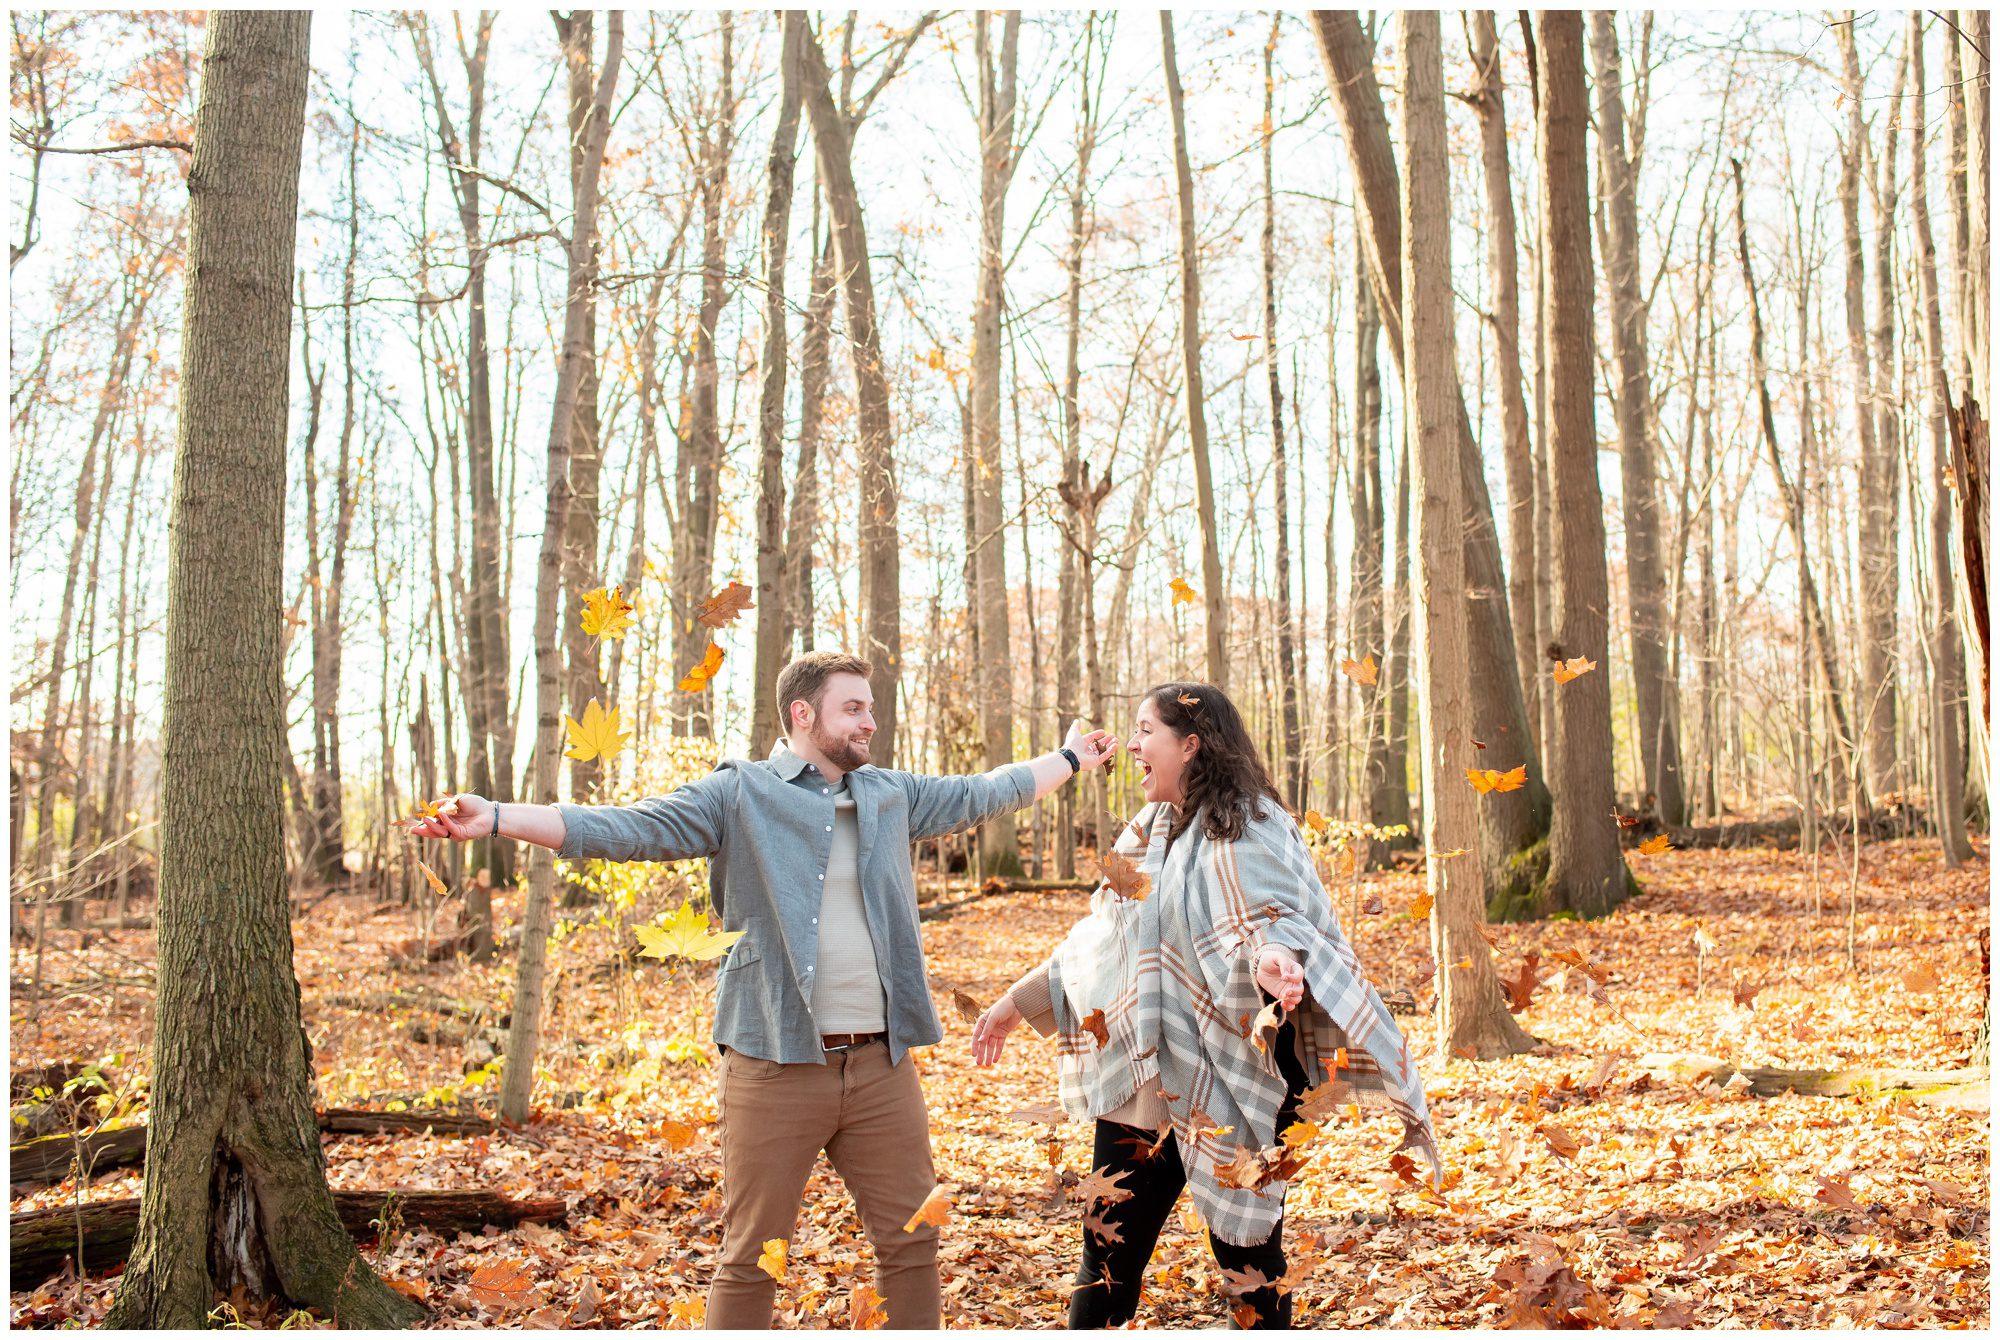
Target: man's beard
(840,750)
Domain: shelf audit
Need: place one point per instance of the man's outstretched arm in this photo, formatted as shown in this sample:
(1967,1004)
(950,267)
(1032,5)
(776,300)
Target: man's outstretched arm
(940,805)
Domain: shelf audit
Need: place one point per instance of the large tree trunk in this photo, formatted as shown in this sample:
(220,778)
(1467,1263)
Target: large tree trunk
(995,670)
(881,556)
(1877,491)
(1215,598)
(234,1181)
(1947,655)
(1966,80)
(698,469)
(525,1033)
(1473,1015)
(1645,579)
(1586,872)
(765,726)
(1488,101)
(1292,772)
(1516,819)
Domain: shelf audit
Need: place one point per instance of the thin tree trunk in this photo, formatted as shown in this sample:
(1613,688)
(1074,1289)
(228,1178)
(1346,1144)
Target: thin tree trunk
(765,726)
(1489,103)
(881,557)
(1947,654)
(1586,872)
(524,1035)
(802,523)
(1645,578)
(1214,597)
(1293,773)
(1473,1016)
(235,1181)
(994,669)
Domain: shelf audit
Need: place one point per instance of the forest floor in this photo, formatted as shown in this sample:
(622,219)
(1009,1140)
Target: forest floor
(1681,1203)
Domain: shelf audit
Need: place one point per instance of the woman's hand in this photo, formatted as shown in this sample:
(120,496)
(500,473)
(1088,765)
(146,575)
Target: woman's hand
(989,1035)
(461,818)
(1281,976)
(1090,747)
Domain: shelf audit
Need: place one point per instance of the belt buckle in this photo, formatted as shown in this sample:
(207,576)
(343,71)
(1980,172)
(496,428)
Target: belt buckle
(847,1046)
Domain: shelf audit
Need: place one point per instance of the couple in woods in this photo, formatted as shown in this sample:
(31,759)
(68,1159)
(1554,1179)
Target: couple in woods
(821,1000)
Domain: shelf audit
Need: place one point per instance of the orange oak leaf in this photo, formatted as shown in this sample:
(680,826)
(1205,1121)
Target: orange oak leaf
(721,609)
(1124,876)
(697,679)
(1565,671)
(936,1209)
(1093,1024)
(1183,593)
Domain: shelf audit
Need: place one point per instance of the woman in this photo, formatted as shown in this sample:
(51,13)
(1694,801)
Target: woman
(1234,919)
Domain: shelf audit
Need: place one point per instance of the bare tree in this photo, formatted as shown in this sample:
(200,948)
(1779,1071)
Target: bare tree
(1215,598)
(1293,773)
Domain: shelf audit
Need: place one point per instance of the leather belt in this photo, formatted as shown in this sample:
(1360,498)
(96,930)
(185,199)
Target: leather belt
(840,1042)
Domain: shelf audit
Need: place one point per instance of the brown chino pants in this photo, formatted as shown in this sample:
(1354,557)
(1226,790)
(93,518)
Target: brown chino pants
(870,1119)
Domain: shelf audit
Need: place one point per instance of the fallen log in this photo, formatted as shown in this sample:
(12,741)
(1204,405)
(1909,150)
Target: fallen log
(33,1163)
(40,1240)
(1782,834)
(1771,1081)
(376,1002)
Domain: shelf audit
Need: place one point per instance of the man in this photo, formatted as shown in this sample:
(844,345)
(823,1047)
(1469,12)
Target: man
(819,1003)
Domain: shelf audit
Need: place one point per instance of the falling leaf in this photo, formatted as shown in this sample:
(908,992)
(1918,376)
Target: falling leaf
(697,679)
(1144,1149)
(1188,700)
(1316,821)
(1183,593)
(1124,876)
(1373,904)
(721,609)
(1043,1112)
(676,1135)
(1420,906)
(1093,1024)
(1626,820)
(1300,1133)
(685,933)
(1565,671)
(1560,1140)
(864,1308)
(606,613)
(691,1309)
(437,885)
(1656,845)
(1363,671)
(1601,1073)
(1103,1185)
(1348,862)
(597,735)
(1488,779)
(1101,1228)
(968,1009)
(772,1261)
(1448,855)
(1704,943)
(1745,993)
(1920,979)
(1265,1027)
(1236,1283)
(1246,1316)
(936,1210)
(1234,336)
(1521,987)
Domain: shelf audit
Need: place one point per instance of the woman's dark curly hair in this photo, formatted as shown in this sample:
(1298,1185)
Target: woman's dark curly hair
(1226,780)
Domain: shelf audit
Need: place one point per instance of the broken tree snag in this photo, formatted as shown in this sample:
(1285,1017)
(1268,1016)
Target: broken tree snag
(40,1240)
(40,1162)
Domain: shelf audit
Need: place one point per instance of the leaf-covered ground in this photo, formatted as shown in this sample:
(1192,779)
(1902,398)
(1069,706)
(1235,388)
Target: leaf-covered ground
(1682,1204)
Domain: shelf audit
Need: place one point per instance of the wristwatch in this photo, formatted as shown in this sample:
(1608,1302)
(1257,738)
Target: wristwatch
(1075,764)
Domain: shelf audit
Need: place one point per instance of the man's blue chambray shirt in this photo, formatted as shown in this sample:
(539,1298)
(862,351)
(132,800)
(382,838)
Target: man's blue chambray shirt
(767,829)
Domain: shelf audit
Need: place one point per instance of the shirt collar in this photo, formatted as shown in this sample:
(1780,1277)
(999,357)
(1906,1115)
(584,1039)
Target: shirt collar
(789,765)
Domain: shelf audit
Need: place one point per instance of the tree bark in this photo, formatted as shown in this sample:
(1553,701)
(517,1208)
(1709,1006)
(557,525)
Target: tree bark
(1489,103)
(881,556)
(1292,772)
(1473,1015)
(698,469)
(1947,653)
(765,727)
(524,1037)
(1645,577)
(994,119)
(1215,599)
(1877,473)
(234,1178)
(1512,821)
(1586,872)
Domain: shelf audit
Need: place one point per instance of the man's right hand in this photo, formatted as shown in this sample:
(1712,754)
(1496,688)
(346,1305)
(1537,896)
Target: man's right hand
(461,818)
(989,1035)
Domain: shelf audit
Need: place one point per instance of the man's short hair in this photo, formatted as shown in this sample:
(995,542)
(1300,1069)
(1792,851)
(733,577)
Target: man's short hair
(806,677)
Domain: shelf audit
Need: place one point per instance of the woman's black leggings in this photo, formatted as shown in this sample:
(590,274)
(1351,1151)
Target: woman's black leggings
(1107,1292)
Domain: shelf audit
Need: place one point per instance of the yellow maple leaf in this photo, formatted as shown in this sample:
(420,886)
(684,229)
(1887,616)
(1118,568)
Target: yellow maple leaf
(685,933)
(597,735)
(606,613)
(1489,779)
(1183,593)
(1565,671)
(864,1308)
(1300,1133)
(1363,671)
(697,679)
(437,885)
(1316,821)
(936,1209)
(1656,845)
(690,1308)
(1420,906)
(772,1262)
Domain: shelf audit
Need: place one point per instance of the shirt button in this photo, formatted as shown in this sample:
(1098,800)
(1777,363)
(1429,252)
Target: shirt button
(829,828)
(815,921)
(826,790)
(822,879)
